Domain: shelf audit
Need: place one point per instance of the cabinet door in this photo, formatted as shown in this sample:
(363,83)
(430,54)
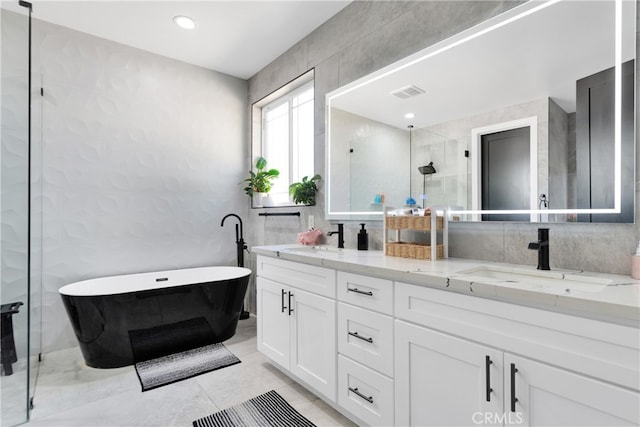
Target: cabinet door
(273,321)
(313,341)
(549,396)
(442,380)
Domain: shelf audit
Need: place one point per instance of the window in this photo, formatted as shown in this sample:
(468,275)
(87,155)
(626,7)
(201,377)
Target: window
(286,135)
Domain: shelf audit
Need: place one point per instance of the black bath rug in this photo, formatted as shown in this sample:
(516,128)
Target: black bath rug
(266,410)
(175,367)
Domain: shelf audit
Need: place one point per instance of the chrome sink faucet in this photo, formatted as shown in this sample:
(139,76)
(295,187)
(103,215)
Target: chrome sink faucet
(542,246)
(340,233)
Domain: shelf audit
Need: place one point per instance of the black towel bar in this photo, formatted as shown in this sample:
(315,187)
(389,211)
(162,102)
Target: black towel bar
(279,214)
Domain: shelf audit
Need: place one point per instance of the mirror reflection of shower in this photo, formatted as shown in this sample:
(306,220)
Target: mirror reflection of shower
(426,170)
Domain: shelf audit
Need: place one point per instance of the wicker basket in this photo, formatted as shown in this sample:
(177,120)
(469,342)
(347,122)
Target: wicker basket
(407,222)
(392,222)
(412,250)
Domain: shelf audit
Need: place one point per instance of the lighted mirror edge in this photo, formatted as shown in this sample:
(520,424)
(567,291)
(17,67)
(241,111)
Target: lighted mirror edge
(504,212)
(617,138)
(484,27)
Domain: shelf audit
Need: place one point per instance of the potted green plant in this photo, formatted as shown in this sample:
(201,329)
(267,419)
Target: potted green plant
(259,182)
(304,192)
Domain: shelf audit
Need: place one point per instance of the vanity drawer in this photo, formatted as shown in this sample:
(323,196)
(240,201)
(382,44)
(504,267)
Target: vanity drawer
(366,337)
(319,280)
(365,393)
(364,291)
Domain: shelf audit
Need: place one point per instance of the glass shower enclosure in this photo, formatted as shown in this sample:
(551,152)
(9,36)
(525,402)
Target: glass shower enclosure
(20,284)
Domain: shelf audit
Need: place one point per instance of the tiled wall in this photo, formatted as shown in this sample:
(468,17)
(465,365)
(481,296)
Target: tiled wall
(365,142)
(366,36)
(142,156)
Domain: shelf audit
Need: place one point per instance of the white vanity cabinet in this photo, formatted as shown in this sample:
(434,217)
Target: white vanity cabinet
(388,353)
(296,327)
(442,380)
(473,369)
(365,347)
(548,396)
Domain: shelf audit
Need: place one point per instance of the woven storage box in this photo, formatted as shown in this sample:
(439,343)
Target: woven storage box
(405,250)
(392,222)
(412,250)
(421,223)
(418,223)
(404,222)
(391,249)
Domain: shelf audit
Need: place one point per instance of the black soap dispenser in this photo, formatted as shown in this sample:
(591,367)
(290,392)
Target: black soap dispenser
(363,239)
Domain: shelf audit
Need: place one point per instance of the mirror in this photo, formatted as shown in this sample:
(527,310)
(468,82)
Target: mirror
(527,116)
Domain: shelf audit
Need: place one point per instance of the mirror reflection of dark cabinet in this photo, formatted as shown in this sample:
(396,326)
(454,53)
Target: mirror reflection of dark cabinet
(595,132)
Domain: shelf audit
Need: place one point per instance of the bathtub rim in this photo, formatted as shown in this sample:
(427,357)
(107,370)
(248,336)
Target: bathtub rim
(93,288)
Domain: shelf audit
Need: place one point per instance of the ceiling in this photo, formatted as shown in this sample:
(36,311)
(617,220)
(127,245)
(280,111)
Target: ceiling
(234,37)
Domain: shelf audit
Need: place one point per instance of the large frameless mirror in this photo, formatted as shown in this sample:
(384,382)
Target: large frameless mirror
(528,116)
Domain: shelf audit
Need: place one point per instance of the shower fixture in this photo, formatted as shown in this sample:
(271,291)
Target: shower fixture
(425,170)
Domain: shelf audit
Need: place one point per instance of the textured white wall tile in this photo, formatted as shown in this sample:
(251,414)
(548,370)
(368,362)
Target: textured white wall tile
(141,160)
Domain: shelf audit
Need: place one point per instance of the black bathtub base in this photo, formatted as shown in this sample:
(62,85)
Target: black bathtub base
(160,321)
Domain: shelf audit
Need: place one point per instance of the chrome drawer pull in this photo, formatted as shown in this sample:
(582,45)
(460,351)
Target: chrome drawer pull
(355,334)
(355,390)
(358,291)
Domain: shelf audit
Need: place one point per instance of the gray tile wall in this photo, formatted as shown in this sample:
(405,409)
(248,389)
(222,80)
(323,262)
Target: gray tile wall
(366,36)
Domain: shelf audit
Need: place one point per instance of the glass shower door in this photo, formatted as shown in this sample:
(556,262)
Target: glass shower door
(15,291)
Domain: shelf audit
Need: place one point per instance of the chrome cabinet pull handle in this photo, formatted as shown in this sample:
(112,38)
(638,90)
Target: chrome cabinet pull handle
(514,399)
(487,365)
(290,309)
(358,291)
(355,390)
(355,334)
(282,299)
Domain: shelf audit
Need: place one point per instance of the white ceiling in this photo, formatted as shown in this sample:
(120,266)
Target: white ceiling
(539,56)
(234,37)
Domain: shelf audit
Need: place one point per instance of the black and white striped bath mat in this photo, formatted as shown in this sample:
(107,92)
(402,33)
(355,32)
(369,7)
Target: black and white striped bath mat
(266,410)
(175,367)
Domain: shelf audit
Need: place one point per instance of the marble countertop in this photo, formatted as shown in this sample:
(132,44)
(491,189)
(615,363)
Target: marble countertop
(607,297)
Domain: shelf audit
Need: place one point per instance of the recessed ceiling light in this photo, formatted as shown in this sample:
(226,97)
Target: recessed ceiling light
(184,22)
(409,116)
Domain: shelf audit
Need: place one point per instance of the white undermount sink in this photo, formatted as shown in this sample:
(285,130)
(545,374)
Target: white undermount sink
(538,278)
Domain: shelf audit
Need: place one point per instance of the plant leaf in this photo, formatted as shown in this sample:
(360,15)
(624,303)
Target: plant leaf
(261,163)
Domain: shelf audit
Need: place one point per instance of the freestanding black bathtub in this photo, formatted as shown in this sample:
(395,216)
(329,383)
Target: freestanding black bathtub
(121,320)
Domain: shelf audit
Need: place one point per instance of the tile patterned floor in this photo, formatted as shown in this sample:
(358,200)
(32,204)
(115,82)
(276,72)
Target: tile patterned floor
(69,393)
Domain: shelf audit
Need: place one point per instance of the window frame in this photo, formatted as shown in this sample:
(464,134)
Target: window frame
(285,94)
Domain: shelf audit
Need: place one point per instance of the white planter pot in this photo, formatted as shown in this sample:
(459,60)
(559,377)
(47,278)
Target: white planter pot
(262,200)
(267,200)
(257,199)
